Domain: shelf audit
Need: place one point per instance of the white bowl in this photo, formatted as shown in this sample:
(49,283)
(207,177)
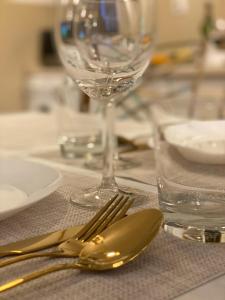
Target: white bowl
(199,141)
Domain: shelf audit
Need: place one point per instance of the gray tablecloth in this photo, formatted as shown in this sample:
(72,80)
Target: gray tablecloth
(168,268)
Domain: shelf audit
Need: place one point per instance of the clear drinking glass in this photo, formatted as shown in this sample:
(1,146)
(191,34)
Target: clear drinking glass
(78,133)
(105,46)
(190,159)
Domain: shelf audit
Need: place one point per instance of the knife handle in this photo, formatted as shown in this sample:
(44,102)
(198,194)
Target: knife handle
(20,258)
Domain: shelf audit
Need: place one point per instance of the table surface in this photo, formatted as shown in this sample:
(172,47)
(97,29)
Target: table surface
(214,288)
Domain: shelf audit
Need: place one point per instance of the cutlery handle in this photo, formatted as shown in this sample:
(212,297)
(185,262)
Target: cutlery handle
(19,258)
(37,274)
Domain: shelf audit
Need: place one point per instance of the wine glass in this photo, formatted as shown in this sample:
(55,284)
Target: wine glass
(105,46)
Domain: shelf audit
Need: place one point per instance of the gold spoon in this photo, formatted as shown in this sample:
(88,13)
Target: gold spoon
(114,247)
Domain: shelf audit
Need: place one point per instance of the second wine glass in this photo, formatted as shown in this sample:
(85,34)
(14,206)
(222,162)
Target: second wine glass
(105,46)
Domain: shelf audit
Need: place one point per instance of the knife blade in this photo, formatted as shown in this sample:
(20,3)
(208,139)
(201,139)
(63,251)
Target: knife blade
(39,242)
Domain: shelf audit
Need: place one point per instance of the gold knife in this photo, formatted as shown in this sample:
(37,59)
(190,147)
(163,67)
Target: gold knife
(39,242)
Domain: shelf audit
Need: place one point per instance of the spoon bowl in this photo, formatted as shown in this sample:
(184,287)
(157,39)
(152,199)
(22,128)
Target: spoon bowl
(121,242)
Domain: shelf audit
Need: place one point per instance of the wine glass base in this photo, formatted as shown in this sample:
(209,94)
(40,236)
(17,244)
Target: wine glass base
(96,198)
(93,198)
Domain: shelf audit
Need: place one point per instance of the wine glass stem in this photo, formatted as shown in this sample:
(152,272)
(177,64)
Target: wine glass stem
(116,151)
(108,180)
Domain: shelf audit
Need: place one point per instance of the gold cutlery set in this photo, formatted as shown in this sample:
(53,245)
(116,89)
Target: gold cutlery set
(107,241)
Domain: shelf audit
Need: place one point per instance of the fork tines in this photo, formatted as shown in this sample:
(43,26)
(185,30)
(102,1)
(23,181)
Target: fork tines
(114,210)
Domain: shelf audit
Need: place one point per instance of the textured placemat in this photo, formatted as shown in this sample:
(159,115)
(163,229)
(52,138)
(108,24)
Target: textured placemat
(168,268)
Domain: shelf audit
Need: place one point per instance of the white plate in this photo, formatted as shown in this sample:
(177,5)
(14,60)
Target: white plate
(23,183)
(199,141)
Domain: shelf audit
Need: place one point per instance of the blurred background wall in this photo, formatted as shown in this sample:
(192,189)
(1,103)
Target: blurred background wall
(21,27)
(20,30)
(179,20)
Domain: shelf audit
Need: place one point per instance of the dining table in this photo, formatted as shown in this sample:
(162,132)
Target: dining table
(170,268)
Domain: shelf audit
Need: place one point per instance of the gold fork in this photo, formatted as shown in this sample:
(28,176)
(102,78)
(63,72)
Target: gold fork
(113,211)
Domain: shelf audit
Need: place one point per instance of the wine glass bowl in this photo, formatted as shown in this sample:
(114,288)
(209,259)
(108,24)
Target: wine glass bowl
(105,46)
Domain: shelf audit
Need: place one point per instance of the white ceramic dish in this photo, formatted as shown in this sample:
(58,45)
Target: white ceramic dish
(199,141)
(23,183)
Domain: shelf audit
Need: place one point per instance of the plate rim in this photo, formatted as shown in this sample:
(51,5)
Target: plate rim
(35,196)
